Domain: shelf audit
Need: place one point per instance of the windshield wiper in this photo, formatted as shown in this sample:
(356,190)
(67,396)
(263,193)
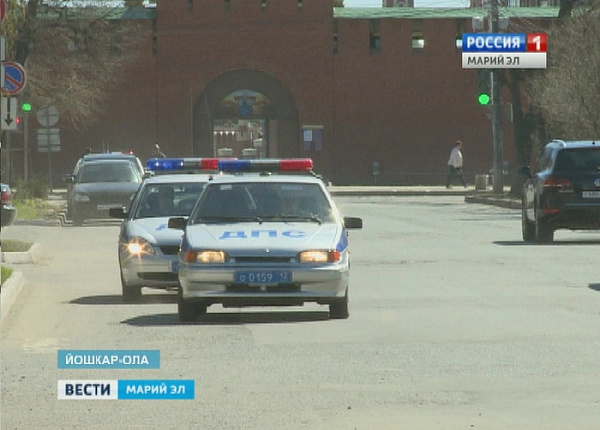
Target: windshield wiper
(223,218)
(312,218)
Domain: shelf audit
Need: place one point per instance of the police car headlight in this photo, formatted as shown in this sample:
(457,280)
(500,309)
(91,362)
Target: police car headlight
(81,198)
(319,256)
(205,257)
(138,246)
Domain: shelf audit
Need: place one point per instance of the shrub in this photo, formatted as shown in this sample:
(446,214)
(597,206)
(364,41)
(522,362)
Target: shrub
(36,187)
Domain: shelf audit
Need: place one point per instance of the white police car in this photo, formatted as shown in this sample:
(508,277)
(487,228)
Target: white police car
(147,247)
(263,239)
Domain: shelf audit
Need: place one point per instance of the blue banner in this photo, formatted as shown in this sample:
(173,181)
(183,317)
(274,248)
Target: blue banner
(494,42)
(108,359)
(156,389)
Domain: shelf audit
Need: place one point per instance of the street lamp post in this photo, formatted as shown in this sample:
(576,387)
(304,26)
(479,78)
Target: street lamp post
(498,185)
(215,133)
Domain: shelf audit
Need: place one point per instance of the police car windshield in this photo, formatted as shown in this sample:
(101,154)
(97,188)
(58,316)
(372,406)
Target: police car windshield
(263,202)
(168,199)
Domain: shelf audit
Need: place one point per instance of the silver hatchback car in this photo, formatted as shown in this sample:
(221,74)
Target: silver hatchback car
(147,247)
(262,239)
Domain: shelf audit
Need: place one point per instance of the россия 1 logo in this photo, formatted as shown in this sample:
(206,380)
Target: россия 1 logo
(504,51)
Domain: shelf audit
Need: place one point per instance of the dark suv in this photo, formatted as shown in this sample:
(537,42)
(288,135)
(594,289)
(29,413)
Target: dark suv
(565,191)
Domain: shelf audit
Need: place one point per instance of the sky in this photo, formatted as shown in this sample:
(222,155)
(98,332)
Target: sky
(418,3)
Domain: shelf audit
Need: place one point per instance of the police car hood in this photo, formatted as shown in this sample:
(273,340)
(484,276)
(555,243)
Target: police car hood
(154,230)
(282,238)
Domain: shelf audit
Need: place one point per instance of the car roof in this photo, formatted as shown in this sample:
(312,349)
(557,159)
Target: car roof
(108,155)
(178,177)
(106,161)
(575,144)
(266,178)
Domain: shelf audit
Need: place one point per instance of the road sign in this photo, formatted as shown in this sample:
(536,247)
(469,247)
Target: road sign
(48,139)
(9,113)
(47,116)
(2,9)
(14,78)
(2,48)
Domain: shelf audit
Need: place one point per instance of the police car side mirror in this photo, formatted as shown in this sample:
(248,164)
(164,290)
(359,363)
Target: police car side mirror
(68,177)
(352,222)
(177,223)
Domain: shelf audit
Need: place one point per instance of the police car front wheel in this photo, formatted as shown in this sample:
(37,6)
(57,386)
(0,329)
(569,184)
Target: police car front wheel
(189,311)
(339,308)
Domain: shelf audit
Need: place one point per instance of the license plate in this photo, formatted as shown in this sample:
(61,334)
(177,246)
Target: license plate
(263,277)
(591,194)
(109,206)
(174,266)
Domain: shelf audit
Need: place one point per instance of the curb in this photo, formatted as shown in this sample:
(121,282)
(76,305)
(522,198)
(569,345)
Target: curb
(28,257)
(495,201)
(10,291)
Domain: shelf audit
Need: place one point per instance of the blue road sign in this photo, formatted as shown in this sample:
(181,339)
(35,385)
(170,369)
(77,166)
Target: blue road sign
(14,78)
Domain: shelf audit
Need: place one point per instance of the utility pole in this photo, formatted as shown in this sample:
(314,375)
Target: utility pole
(498,185)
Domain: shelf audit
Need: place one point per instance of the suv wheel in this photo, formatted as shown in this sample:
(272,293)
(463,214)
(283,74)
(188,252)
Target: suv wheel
(77,218)
(527,226)
(543,231)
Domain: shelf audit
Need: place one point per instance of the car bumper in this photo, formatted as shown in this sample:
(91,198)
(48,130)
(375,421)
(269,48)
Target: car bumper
(153,271)
(216,285)
(92,210)
(576,217)
(9,215)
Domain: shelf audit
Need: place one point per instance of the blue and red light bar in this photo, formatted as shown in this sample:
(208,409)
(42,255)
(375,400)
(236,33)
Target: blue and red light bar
(181,164)
(267,165)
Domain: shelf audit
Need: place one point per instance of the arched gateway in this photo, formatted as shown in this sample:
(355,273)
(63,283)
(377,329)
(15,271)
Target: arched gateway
(247,95)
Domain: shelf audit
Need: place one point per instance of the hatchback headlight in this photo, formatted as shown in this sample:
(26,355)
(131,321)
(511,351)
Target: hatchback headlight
(81,198)
(205,256)
(139,245)
(317,256)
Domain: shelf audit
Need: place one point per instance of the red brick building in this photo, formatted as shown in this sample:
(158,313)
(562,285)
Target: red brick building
(346,87)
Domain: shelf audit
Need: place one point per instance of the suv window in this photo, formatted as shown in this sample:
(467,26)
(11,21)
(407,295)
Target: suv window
(545,160)
(580,160)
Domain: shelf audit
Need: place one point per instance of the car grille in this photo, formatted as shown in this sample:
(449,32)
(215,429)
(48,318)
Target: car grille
(279,260)
(170,249)
(158,276)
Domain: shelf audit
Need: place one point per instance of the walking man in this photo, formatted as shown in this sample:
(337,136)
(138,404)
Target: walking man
(455,163)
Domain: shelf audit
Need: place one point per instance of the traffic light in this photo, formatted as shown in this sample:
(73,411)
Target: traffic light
(18,121)
(484,87)
(26,107)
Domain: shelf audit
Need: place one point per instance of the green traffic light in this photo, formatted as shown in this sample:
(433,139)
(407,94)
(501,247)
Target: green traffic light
(483,99)
(26,107)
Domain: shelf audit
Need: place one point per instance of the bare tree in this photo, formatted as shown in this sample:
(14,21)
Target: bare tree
(74,53)
(568,93)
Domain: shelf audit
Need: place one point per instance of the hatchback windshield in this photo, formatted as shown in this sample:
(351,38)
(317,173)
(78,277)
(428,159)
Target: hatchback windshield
(108,172)
(263,201)
(159,200)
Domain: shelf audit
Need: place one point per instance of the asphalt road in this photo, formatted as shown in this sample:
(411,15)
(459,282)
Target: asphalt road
(455,324)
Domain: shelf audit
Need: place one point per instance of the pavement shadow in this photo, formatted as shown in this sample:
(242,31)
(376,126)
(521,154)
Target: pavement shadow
(231,318)
(145,299)
(595,287)
(562,242)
